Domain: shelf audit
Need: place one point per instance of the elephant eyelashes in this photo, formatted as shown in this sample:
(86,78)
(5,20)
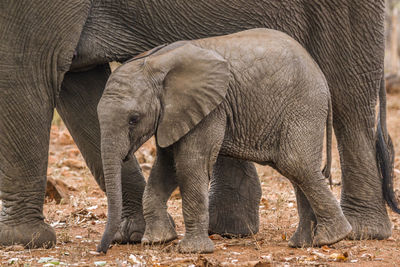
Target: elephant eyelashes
(133,120)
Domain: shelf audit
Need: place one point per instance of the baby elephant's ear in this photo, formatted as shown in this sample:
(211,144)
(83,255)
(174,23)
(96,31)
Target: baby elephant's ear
(195,84)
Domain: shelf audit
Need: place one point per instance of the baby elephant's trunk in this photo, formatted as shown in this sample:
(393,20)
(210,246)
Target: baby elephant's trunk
(112,178)
(327,168)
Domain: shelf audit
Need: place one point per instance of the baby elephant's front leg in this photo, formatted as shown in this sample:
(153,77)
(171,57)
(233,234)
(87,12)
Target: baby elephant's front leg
(195,155)
(160,227)
(193,184)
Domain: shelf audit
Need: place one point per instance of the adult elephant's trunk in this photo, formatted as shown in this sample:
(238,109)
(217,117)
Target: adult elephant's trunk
(112,175)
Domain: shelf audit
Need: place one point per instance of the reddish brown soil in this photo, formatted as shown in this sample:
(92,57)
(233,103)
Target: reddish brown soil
(79,222)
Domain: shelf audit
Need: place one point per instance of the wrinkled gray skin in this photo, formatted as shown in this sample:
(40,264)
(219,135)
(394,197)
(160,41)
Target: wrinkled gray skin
(42,41)
(255,95)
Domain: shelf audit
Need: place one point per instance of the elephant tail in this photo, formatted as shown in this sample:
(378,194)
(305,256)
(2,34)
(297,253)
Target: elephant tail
(327,169)
(385,152)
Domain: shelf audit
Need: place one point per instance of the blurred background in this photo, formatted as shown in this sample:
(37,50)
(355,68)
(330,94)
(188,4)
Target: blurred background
(392,46)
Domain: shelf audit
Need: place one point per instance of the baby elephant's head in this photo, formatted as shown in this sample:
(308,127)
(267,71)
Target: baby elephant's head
(165,93)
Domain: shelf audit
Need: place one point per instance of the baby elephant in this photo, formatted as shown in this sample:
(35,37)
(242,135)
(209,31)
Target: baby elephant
(255,95)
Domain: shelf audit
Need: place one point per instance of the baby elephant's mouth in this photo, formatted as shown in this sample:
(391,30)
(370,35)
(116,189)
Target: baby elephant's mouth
(129,154)
(128,157)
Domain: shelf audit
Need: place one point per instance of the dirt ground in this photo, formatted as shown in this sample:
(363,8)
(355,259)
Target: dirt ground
(79,220)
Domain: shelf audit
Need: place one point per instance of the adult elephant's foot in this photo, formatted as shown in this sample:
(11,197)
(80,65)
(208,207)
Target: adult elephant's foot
(21,215)
(30,235)
(235,194)
(196,244)
(159,231)
(368,224)
(362,200)
(330,232)
(130,231)
(366,212)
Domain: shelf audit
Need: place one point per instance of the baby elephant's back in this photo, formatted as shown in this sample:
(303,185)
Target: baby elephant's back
(262,54)
(269,68)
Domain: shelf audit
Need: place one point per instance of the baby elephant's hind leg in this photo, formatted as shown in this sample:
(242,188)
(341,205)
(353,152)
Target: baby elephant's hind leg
(300,161)
(303,237)
(332,225)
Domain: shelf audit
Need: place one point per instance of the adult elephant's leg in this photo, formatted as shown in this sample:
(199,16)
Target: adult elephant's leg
(235,194)
(25,120)
(362,199)
(354,68)
(77,105)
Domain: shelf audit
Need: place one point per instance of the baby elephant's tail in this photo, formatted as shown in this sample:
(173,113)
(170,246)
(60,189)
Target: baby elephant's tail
(327,169)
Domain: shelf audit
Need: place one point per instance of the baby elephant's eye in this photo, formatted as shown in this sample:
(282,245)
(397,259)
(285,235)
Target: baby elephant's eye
(133,119)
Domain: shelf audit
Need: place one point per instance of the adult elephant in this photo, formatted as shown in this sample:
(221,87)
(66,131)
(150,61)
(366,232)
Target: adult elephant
(55,54)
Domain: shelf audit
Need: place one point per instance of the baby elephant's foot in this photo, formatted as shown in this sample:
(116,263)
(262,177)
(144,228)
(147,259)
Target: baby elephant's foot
(196,244)
(130,231)
(159,231)
(303,237)
(330,232)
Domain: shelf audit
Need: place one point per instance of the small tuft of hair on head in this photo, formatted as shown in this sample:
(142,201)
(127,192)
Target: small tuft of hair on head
(147,53)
